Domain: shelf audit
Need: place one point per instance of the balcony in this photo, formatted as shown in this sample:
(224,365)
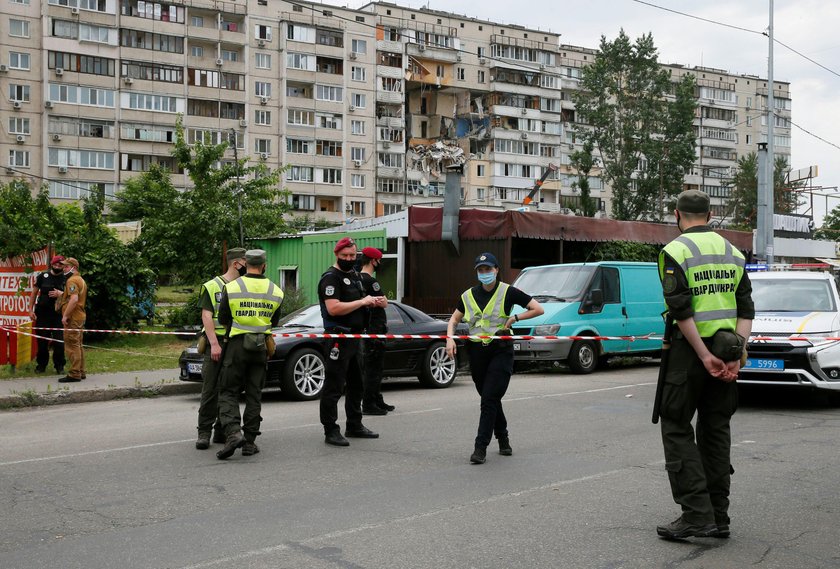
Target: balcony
(389,72)
(432,53)
(397,123)
(390,46)
(389,97)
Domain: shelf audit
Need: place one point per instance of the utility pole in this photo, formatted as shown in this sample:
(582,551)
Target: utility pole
(771,157)
(238,189)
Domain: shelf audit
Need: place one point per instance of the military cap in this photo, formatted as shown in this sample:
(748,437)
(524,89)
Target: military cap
(372,253)
(486,259)
(255,257)
(70,261)
(693,201)
(56,260)
(235,253)
(343,243)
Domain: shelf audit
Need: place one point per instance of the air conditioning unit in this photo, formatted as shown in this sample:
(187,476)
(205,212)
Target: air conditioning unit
(261,43)
(524,136)
(48,104)
(4,68)
(352,55)
(219,62)
(263,100)
(59,71)
(17,105)
(243,123)
(524,111)
(482,60)
(542,66)
(128,81)
(458,57)
(20,139)
(357,163)
(62,169)
(421,47)
(74,11)
(386,144)
(56,137)
(351,108)
(263,155)
(348,208)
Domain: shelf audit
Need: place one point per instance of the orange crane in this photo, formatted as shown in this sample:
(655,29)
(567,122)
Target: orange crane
(538,184)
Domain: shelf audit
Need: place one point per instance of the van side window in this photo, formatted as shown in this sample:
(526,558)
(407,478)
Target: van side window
(607,279)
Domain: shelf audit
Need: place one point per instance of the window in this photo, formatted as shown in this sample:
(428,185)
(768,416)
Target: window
(390,160)
(328,120)
(18,125)
(302,118)
(300,174)
(480,170)
(18,60)
(329,93)
(357,153)
(262,118)
(196,51)
(152,133)
(481,76)
(303,61)
(328,148)
(461,74)
(149,10)
(152,71)
(299,146)
(19,92)
(358,73)
(390,186)
(357,180)
(330,37)
(81,63)
(606,279)
(19,158)
(262,60)
(78,189)
(160,103)
(300,33)
(262,88)
(357,208)
(357,127)
(197,21)
(358,46)
(262,145)
(18,28)
(749,121)
(749,139)
(229,55)
(358,100)
(329,175)
(90,159)
(389,208)
(263,32)
(23,2)
(298,201)
(481,193)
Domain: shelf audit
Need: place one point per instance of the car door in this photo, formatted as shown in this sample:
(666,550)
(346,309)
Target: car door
(644,306)
(609,318)
(396,349)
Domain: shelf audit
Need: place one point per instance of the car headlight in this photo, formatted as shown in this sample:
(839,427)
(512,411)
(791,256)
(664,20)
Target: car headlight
(546,330)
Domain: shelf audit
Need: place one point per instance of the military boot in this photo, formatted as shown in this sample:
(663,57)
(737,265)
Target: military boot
(250,448)
(203,441)
(681,529)
(219,435)
(504,447)
(233,442)
(479,455)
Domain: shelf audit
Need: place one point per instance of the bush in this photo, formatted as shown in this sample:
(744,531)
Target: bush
(189,314)
(625,251)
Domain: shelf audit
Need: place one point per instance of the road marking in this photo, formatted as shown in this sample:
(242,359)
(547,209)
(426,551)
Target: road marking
(578,392)
(227,561)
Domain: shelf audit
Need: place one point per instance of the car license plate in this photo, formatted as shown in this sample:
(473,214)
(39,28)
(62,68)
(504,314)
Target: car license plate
(764,364)
(517,346)
(194,368)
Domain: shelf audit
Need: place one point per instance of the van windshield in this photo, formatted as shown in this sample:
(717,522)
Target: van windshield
(792,295)
(556,284)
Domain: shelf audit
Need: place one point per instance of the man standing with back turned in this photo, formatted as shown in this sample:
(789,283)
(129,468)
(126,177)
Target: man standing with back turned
(709,298)
(73,316)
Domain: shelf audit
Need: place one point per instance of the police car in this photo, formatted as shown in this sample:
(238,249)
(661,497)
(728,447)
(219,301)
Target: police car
(791,303)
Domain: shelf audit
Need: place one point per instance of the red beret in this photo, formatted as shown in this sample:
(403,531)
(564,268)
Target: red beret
(372,253)
(56,259)
(343,243)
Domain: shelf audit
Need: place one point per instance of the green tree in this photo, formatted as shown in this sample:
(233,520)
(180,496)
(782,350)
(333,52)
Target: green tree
(583,161)
(184,232)
(830,229)
(640,122)
(27,224)
(742,207)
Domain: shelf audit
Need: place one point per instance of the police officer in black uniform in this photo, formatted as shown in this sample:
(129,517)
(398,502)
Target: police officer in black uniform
(374,349)
(344,307)
(48,287)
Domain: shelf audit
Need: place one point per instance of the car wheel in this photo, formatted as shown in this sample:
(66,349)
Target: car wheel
(438,369)
(303,377)
(583,357)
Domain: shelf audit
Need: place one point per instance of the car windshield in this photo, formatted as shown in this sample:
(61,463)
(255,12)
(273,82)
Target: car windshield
(558,284)
(308,317)
(792,295)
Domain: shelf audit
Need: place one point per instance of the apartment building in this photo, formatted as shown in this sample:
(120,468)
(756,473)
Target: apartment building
(369,108)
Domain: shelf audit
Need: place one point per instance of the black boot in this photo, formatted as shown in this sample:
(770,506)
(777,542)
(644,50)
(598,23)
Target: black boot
(504,447)
(381,403)
(233,442)
(479,455)
(371,408)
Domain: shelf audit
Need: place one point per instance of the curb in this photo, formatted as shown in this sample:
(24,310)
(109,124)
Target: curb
(90,395)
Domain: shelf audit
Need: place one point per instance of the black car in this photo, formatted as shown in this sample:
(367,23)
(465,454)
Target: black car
(297,366)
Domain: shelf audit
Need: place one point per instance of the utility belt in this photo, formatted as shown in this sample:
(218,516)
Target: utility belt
(726,345)
(342,330)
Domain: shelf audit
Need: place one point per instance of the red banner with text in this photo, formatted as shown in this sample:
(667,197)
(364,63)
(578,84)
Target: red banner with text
(17,277)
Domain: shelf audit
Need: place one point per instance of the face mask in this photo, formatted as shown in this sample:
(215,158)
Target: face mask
(346,264)
(377,266)
(56,271)
(242,270)
(486,278)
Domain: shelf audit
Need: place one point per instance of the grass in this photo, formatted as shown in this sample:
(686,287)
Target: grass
(128,352)
(175,294)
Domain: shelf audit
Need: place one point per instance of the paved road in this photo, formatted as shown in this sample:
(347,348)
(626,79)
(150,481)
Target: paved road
(119,485)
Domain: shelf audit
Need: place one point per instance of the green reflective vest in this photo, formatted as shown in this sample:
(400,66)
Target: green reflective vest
(252,304)
(214,287)
(490,320)
(713,267)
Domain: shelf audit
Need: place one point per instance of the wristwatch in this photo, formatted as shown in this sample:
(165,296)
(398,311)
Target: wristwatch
(516,317)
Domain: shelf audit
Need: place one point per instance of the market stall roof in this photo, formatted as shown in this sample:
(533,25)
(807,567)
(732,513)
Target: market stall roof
(424,224)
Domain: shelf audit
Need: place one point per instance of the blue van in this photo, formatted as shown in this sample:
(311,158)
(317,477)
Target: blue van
(591,299)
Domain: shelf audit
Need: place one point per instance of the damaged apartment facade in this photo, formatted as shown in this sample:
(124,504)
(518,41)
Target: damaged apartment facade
(368,108)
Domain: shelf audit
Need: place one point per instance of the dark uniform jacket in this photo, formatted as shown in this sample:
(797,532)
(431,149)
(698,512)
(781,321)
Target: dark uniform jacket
(378,323)
(344,287)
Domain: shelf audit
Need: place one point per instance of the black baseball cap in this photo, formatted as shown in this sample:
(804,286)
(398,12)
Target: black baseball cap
(486,259)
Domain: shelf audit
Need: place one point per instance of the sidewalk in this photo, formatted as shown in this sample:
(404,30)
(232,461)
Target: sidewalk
(46,390)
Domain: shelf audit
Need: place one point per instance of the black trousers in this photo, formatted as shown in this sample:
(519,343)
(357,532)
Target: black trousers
(48,317)
(491,367)
(343,374)
(374,355)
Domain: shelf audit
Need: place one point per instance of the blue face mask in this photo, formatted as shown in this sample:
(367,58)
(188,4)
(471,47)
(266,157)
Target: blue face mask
(486,278)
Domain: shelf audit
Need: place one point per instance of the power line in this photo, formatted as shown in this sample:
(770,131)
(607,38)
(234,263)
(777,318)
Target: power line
(806,131)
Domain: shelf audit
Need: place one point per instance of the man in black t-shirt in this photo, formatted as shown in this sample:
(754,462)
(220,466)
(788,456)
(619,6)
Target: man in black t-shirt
(48,287)
(344,308)
(374,348)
